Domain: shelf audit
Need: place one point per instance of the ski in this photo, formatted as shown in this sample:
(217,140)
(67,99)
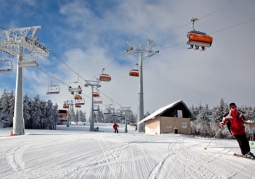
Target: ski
(240,155)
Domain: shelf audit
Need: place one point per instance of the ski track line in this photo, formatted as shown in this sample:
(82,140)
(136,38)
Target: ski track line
(101,162)
(115,158)
(155,172)
(241,164)
(14,158)
(181,158)
(114,174)
(253,175)
(146,164)
(133,159)
(192,165)
(45,164)
(94,163)
(78,160)
(208,159)
(174,157)
(124,161)
(199,165)
(97,163)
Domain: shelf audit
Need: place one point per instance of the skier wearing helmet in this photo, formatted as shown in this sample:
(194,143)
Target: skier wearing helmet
(235,120)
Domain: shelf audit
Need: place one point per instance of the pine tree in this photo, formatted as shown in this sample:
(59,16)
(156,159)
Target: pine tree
(27,112)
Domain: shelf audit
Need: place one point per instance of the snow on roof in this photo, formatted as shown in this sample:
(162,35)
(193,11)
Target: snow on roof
(160,111)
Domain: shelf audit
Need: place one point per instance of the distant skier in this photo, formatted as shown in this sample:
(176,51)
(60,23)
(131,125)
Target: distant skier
(235,120)
(115,127)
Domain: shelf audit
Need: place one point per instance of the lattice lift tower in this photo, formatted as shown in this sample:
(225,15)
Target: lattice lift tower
(148,51)
(18,44)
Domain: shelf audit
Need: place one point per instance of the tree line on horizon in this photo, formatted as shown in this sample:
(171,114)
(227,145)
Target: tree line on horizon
(37,114)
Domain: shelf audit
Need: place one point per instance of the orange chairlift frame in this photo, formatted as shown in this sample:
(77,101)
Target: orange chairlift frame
(65,105)
(77,97)
(104,77)
(134,72)
(198,39)
(96,93)
(77,106)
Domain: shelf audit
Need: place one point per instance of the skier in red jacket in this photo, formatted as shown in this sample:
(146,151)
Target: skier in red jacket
(236,119)
(115,127)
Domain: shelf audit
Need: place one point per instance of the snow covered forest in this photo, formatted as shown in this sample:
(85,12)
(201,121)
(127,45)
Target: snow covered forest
(205,122)
(37,114)
(40,114)
(110,116)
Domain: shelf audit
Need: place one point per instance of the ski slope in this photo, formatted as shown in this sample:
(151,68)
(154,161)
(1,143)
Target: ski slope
(74,152)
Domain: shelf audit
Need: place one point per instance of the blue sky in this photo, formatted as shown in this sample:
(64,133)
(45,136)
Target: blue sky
(91,35)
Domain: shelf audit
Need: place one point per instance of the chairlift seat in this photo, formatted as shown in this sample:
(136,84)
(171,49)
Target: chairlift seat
(53,89)
(79,102)
(5,66)
(105,77)
(78,89)
(77,97)
(78,106)
(5,70)
(97,102)
(134,72)
(53,92)
(31,63)
(96,94)
(75,87)
(199,39)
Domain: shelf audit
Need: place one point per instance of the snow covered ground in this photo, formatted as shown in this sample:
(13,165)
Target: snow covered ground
(75,152)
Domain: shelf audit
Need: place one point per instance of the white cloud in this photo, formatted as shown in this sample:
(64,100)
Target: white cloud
(90,37)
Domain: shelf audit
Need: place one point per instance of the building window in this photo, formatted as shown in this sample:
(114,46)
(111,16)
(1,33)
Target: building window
(179,113)
(184,124)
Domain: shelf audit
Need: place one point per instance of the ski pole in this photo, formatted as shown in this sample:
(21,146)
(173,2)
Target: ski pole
(211,139)
(252,143)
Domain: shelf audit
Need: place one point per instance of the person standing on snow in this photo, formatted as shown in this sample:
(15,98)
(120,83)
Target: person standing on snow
(235,120)
(115,127)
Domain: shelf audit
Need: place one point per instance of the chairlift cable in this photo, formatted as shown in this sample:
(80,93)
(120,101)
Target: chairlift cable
(68,85)
(213,32)
(52,76)
(109,97)
(66,65)
(105,68)
(119,73)
(198,19)
(218,10)
(233,26)
(53,55)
